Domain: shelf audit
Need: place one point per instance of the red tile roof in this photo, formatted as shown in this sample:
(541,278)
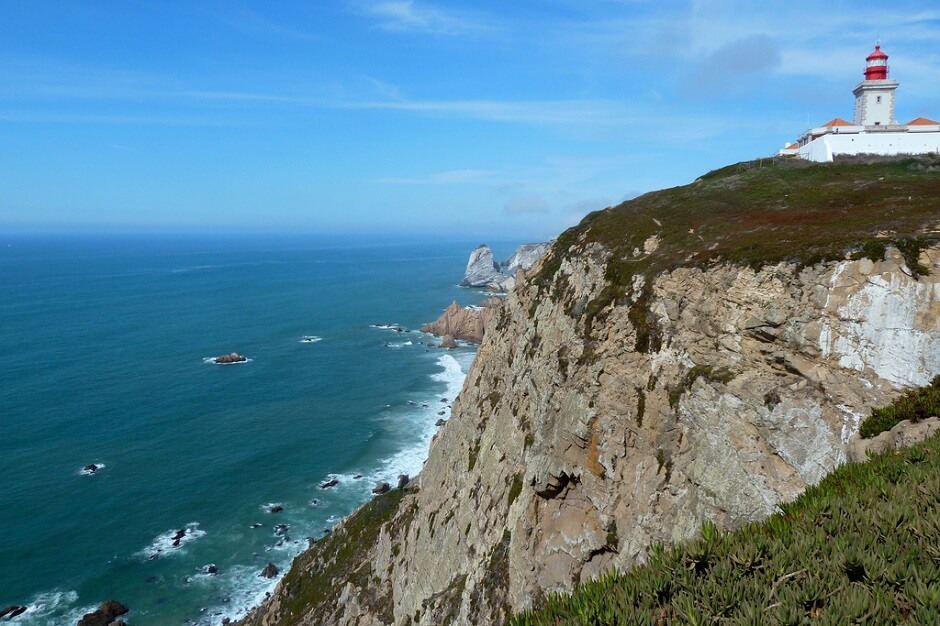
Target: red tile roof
(923,121)
(837,122)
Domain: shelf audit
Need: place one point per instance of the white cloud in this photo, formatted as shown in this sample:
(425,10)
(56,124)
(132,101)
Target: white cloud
(412,16)
(453,177)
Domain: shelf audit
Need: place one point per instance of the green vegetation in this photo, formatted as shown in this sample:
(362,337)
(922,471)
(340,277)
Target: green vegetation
(515,489)
(914,405)
(318,576)
(711,374)
(862,547)
(754,214)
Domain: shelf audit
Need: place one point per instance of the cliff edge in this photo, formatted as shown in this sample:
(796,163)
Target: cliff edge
(699,353)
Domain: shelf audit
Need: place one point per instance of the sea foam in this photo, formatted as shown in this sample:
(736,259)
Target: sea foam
(163,545)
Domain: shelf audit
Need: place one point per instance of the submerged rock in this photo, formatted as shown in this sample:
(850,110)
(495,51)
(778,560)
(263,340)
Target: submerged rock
(326,484)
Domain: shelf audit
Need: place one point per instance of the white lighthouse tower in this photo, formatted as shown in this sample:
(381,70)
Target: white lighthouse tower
(874,96)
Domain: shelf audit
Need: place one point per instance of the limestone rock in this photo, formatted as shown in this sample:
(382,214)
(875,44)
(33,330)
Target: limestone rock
(481,268)
(523,258)
(483,271)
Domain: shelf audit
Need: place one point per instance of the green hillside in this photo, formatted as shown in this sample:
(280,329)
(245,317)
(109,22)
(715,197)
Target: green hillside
(862,547)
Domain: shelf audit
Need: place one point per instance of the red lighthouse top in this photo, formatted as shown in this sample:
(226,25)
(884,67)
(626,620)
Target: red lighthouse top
(877,65)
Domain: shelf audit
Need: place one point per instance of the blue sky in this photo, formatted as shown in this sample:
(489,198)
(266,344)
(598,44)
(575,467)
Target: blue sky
(411,116)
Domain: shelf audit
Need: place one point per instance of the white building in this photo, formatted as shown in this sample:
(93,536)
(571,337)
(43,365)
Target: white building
(874,131)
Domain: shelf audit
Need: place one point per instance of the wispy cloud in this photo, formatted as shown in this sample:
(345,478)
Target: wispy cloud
(453,177)
(527,204)
(422,17)
(247,21)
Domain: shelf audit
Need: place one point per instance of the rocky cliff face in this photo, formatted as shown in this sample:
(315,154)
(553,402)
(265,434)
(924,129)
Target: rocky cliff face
(610,408)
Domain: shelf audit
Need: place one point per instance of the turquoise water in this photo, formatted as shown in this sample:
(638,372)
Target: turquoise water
(103,346)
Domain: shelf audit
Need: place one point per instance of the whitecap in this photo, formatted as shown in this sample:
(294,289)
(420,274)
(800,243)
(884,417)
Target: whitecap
(53,607)
(401,344)
(310,339)
(172,541)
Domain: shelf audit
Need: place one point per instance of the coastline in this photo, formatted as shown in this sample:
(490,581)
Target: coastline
(226,440)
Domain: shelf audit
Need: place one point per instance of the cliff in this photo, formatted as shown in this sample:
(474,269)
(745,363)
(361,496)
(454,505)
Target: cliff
(700,353)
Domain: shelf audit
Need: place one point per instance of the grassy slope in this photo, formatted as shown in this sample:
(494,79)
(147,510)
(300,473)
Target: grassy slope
(762,212)
(862,547)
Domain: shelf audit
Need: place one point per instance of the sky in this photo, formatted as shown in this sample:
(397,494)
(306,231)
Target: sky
(405,117)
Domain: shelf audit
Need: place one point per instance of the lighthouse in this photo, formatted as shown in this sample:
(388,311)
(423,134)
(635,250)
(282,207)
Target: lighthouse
(874,96)
(875,131)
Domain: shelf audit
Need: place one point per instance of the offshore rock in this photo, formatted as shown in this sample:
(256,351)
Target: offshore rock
(9,612)
(483,271)
(270,571)
(523,258)
(227,359)
(464,323)
(105,615)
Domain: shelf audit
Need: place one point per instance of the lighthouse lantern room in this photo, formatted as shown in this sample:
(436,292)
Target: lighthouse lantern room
(874,96)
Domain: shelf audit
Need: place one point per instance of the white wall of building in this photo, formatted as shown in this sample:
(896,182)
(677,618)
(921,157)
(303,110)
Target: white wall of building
(888,144)
(874,102)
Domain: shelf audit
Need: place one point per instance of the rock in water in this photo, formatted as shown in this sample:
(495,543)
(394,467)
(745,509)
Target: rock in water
(234,357)
(8,613)
(448,342)
(483,271)
(465,324)
(381,488)
(403,480)
(105,615)
(481,268)
(270,571)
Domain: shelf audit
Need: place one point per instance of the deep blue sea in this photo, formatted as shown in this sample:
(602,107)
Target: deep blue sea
(104,348)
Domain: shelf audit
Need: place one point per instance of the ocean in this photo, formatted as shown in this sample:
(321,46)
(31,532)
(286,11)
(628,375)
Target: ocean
(106,347)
